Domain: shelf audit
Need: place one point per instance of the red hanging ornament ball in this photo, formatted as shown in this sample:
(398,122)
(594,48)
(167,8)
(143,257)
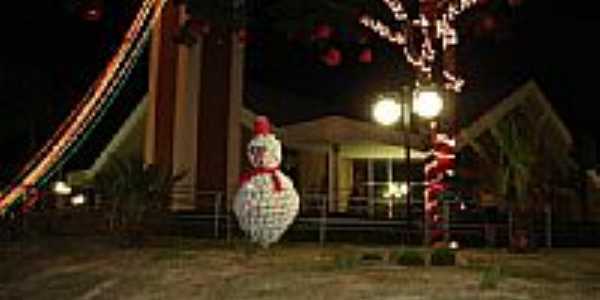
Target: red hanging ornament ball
(332,58)
(366,56)
(322,32)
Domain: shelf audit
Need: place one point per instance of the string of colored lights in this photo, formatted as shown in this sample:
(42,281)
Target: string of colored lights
(96,88)
(438,25)
(112,94)
(434,22)
(95,117)
(84,114)
(89,94)
(58,150)
(440,167)
(397,8)
(384,31)
(77,110)
(110,68)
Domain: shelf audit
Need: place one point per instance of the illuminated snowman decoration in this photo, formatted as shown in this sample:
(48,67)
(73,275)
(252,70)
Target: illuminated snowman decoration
(266,203)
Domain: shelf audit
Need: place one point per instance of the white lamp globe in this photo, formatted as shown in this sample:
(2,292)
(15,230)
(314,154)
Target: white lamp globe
(62,188)
(78,200)
(386,111)
(428,103)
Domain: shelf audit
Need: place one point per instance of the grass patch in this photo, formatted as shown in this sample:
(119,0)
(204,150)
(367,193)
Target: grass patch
(245,247)
(529,272)
(490,278)
(345,261)
(170,254)
(59,286)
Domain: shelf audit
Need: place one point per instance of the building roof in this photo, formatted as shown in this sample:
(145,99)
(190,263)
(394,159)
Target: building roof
(357,139)
(529,95)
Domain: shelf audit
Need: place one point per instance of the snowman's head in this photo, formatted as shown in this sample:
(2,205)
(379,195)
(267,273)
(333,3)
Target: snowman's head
(264,150)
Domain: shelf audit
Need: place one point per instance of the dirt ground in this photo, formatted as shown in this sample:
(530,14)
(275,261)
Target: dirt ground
(176,268)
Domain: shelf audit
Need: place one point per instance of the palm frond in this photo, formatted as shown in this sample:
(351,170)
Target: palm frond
(131,188)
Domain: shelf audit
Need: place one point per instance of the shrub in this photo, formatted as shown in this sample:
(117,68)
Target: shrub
(443,257)
(409,258)
(133,192)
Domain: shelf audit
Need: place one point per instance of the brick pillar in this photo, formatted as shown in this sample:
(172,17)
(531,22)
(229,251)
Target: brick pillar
(163,68)
(220,101)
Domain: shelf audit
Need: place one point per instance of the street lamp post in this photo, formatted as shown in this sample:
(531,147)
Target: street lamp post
(391,110)
(427,103)
(407,128)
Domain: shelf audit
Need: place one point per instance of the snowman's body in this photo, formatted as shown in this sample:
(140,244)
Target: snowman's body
(266,203)
(266,213)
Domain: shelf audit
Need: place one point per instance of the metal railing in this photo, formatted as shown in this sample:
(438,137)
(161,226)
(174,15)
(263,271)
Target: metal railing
(316,217)
(221,209)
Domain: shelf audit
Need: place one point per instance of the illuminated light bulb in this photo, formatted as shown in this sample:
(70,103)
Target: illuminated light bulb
(397,8)
(387,112)
(396,190)
(78,200)
(453,245)
(61,188)
(430,16)
(383,30)
(428,103)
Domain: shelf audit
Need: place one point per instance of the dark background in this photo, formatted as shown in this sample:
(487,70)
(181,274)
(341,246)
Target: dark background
(52,50)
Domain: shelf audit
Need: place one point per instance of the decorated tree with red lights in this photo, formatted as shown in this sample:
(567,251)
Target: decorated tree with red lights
(327,24)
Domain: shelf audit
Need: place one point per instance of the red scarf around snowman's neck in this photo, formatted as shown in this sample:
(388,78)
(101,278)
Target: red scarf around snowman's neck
(263,171)
(263,127)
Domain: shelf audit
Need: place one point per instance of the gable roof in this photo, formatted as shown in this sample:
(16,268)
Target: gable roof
(528,94)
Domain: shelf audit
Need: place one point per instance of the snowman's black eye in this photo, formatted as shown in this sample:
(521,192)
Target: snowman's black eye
(257,149)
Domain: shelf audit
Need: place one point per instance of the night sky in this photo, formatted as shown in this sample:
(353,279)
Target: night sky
(52,52)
